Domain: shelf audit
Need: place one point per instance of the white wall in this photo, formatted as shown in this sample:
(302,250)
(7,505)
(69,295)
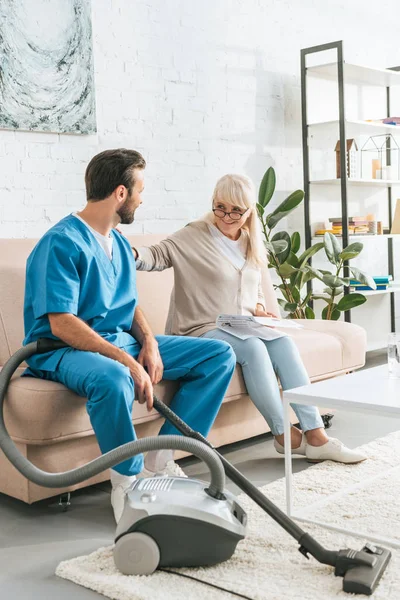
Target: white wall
(201,88)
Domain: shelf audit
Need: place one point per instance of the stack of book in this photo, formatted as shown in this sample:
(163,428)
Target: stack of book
(357,226)
(382,283)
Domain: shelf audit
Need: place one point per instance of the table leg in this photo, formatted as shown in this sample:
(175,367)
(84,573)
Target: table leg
(288,455)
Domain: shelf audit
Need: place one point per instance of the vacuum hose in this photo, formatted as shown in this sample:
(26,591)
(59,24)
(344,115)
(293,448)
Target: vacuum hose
(110,459)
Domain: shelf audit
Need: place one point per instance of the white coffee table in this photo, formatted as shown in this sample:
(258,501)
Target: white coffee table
(369,390)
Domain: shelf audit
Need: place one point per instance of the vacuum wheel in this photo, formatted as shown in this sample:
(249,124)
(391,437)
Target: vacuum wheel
(136,554)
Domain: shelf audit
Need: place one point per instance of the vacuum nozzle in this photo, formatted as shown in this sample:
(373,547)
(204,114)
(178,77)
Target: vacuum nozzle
(361,571)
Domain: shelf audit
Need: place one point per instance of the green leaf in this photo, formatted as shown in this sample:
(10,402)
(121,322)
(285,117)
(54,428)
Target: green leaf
(276,248)
(363,277)
(306,300)
(295,295)
(267,187)
(337,291)
(282,287)
(315,272)
(286,270)
(344,280)
(310,252)
(309,313)
(295,242)
(351,251)
(351,301)
(260,210)
(335,313)
(332,281)
(287,306)
(285,208)
(279,237)
(280,247)
(293,260)
(332,248)
(303,277)
(322,297)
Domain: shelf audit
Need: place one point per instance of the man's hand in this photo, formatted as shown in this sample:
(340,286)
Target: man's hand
(149,357)
(142,381)
(261,312)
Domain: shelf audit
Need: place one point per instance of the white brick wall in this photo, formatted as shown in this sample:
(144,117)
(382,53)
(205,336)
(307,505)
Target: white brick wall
(201,88)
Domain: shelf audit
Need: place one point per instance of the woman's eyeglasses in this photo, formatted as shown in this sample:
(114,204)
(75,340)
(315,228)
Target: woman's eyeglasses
(235,216)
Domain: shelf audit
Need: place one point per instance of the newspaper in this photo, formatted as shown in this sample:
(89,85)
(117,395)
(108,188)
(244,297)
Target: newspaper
(246,326)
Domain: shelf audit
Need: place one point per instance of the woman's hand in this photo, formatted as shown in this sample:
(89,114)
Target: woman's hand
(261,312)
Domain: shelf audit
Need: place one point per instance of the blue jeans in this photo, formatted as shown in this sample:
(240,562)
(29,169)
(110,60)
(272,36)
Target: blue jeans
(204,368)
(261,362)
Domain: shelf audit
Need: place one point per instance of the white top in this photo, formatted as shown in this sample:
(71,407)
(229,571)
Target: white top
(234,250)
(369,389)
(106,242)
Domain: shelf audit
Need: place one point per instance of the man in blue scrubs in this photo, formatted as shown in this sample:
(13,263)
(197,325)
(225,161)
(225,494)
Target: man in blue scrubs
(81,288)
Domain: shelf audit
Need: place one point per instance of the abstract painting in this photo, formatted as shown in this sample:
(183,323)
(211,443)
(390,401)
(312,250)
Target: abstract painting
(46,66)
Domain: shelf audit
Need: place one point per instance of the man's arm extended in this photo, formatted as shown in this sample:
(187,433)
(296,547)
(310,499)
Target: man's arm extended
(149,356)
(77,334)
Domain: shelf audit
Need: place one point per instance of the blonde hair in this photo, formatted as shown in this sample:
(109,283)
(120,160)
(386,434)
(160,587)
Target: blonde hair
(238,190)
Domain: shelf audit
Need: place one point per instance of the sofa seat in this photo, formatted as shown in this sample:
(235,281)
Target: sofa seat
(330,347)
(56,414)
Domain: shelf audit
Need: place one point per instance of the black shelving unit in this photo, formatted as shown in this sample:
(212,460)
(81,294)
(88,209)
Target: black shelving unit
(338,46)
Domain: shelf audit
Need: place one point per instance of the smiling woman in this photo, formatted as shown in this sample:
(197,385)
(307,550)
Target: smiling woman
(46,75)
(217,264)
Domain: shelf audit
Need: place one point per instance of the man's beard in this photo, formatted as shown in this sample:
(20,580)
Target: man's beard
(126,213)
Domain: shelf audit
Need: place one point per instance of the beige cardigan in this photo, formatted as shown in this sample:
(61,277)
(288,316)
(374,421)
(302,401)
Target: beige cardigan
(206,283)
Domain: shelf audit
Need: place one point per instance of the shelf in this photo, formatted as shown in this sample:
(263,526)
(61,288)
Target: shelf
(362,236)
(394,287)
(390,290)
(365,182)
(357,74)
(354,128)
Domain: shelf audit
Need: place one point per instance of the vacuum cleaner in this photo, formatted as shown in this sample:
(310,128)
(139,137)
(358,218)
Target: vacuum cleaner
(184,522)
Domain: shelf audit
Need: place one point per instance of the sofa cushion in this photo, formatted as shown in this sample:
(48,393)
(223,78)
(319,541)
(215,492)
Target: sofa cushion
(330,347)
(37,411)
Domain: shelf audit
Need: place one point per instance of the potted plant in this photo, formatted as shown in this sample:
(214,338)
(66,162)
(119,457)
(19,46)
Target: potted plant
(294,270)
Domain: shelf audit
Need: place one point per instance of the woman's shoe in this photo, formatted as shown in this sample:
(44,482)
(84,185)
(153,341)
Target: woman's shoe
(300,450)
(334,450)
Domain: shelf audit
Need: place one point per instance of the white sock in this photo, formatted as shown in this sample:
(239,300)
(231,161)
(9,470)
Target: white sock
(157,460)
(123,480)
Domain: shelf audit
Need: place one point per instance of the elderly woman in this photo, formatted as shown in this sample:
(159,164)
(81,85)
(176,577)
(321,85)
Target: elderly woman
(217,263)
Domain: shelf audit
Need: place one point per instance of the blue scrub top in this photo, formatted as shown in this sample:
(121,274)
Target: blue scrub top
(69,272)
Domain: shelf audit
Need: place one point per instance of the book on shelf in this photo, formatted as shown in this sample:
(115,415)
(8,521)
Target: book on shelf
(339,231)
(356,226)
(350,220)
(381,281)
(361,288)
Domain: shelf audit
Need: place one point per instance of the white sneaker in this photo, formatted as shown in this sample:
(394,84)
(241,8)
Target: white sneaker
(334,450)
(171,469)
(300,450)
(118,494)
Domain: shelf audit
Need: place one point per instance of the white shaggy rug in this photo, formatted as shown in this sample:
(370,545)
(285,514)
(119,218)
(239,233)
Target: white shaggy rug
(267,564)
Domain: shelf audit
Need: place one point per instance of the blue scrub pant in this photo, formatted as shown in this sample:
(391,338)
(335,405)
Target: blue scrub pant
(261,362)
(204,368)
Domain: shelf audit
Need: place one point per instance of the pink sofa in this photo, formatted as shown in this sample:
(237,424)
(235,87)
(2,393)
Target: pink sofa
(49,423)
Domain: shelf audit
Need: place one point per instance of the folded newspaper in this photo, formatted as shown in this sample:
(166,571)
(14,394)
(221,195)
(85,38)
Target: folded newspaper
(246,326)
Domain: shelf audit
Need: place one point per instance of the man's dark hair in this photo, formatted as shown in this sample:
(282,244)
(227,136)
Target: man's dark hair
(109,169)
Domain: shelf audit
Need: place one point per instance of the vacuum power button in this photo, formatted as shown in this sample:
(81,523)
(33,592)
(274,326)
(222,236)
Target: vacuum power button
(148,497)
